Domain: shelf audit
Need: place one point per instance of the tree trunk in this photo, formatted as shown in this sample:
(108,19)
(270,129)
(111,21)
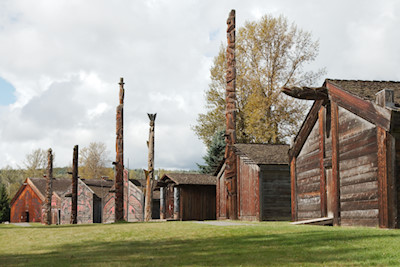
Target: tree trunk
(74,200)
(150,172)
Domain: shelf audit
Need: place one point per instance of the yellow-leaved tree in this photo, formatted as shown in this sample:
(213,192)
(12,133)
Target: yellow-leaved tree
(270,53)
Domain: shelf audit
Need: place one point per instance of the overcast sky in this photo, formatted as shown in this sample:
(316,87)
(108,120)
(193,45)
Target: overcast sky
(60,64)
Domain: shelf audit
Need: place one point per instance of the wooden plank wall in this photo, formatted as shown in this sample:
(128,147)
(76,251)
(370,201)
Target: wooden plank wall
(221,196)
(275,192)
(248,181)
(197,202)
(308,178)
(358,168)
(27,201)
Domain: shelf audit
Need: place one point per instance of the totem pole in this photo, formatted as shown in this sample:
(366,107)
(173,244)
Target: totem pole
(230,136)
(74,201)
(150,171)
(119,162)
(49,188)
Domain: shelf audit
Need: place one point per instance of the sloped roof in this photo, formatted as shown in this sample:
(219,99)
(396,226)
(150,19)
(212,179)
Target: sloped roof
(60,185)
(100,187)
(264,154)
(190,178)
(367,89)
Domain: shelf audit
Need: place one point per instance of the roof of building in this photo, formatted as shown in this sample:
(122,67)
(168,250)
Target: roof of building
(264,154)
(59,185)
(367,89)
(100,187)
(190,178)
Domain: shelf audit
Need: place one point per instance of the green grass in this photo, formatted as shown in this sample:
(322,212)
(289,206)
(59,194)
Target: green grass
(193,244)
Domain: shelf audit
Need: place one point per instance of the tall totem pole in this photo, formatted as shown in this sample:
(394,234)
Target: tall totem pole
(150,171)
(74,201)
(119,162)
(49,188)
(230,136)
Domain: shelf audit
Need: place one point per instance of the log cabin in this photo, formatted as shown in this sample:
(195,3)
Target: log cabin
(185,196)
(263,183)
(345,158)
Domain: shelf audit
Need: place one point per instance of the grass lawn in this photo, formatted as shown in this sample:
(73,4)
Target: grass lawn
(194,244)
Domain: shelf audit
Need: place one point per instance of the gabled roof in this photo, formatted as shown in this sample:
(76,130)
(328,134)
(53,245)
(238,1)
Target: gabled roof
(190,178)
(367,89)
(59,185)
(100,187)
(264,154)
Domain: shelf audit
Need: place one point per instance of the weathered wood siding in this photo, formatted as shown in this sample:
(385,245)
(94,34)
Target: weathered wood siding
(135,203)
(308,178)
(221,195)
(275,192)
(248,185)
(197,202)
(109,208)
(27,207)
(358,168)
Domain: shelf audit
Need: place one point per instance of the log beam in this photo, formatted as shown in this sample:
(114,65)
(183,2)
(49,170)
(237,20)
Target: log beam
(307,93)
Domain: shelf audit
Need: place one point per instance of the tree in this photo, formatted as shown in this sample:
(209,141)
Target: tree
(215,153)
(35,163)
(12,179)
(270,54)
(93,160)
(4,204)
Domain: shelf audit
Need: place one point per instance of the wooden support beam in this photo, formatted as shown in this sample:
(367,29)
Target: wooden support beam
(387,195)
(335,163)
(307,93)
(293,185)
(74,199)
(177,203)
(365,109)
(305,129)
(321,123)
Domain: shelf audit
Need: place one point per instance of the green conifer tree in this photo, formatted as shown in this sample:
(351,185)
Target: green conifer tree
(215,153)
(4,204)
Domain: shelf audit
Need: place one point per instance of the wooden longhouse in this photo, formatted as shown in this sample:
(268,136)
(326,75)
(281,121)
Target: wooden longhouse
(187,196)
(27,203)
(345,159)
(263,183)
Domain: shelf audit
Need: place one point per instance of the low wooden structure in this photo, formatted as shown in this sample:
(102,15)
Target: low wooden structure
(187,196)
(345,159)
(27,205)
(263,183)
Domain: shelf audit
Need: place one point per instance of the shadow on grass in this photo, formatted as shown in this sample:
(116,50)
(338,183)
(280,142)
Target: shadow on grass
(305,248)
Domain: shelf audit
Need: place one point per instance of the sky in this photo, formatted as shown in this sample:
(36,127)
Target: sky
(61,61)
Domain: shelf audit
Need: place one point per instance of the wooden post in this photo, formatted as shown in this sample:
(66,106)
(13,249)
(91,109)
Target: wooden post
(162,203)
(322,189)
(49,188)
(119,161)
(335,163)
(230,136)
(176,203)
(386,181)
(74,201)
(150,172)
(293,186)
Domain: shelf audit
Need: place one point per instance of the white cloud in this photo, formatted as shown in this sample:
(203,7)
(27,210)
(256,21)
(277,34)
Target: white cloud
(65,58)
